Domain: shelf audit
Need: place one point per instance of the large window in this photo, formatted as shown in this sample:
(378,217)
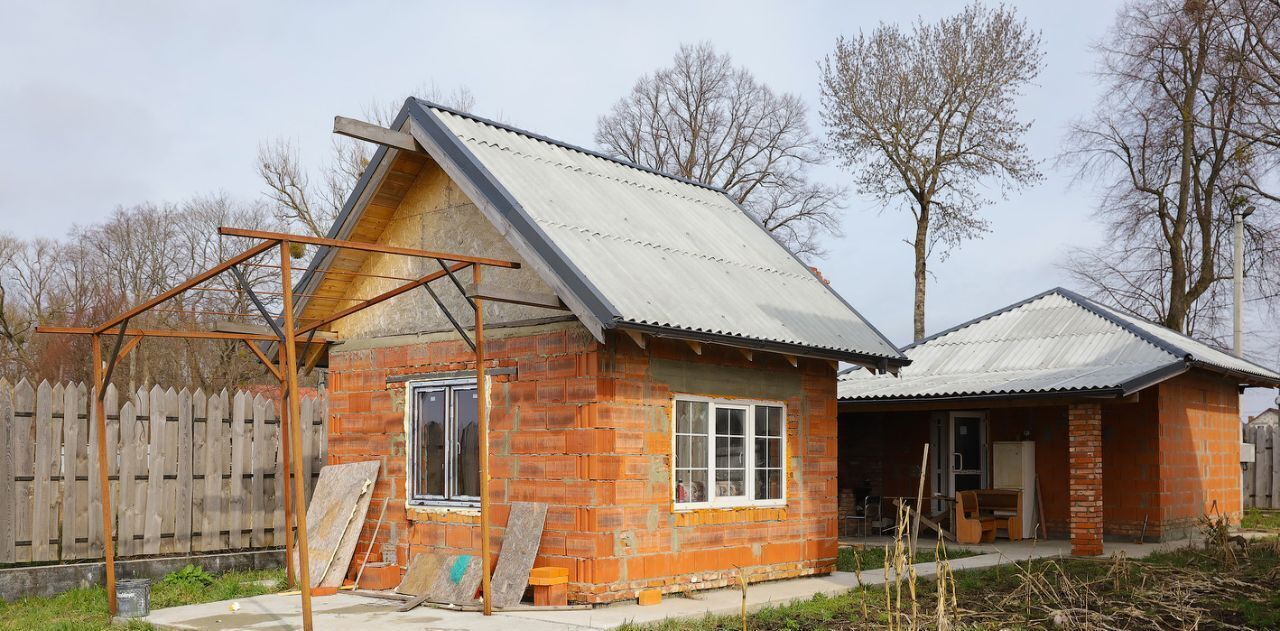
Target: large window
(444,458)
(728,452)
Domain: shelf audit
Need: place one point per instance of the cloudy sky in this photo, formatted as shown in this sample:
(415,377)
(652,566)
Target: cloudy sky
(114,104)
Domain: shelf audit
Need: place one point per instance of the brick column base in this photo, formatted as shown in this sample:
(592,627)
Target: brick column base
(1084,442)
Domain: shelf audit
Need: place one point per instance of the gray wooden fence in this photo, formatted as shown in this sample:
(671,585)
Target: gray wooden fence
(1262,476)
(189,471)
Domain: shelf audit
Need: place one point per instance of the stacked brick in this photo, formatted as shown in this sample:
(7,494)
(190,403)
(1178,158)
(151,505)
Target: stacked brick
(586,429)
(1084,449)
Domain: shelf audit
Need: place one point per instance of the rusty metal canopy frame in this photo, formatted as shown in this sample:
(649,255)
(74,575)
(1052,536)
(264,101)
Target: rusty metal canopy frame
(289,335)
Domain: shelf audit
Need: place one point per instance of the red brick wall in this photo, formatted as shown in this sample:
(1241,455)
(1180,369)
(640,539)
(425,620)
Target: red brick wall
(1199,450)
(585,428)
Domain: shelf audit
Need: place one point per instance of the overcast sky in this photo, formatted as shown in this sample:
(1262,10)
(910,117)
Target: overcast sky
(113,104)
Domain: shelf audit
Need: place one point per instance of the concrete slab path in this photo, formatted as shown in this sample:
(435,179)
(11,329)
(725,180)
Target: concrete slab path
(347,612)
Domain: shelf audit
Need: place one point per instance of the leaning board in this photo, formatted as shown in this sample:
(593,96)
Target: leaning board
(519,547)
(341,492)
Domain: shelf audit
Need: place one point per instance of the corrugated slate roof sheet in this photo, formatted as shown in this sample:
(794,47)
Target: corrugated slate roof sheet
(662,251)
(1055,342)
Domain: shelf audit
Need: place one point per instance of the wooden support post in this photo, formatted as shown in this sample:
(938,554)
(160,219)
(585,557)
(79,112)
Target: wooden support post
(295,434)
(482,411)
(104,482)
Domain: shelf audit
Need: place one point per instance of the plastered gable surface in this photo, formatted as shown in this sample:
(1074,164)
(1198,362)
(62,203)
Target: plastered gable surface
(436,215)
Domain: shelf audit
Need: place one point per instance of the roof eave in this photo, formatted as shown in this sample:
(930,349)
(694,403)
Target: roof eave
(881,362)
(1091,393)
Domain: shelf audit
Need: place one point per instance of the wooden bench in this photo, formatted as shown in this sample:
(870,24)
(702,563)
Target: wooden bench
(1005,505)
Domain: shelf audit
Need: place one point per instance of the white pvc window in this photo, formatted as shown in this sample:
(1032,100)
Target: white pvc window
(728,452)
(444,440)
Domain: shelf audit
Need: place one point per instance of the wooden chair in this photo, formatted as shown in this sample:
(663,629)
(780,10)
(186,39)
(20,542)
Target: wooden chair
(971,526)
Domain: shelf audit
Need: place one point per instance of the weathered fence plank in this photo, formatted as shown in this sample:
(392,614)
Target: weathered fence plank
(211,525)
(308,441)
(23,442)
(154,523)
(70,508)
(276,436)
(1274,443)
(41,530)
(239,410)
(8,502)
(182,503)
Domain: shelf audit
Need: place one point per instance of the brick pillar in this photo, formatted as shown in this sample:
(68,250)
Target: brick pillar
(1084,441)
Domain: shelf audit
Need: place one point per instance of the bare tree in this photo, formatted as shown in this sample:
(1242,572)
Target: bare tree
(926,118)
(312,203)
(1177,142)
(704,119)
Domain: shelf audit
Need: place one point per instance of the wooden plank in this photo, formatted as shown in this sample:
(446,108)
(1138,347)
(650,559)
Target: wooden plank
(125,499)
(520,544)
(199,403)
(342,491)
(277,438)
(257,500)
(169,465)
(376,134)
(8,542)
(1262,456)
(211,524)
(82,460)
(421,573)
(154,519)
(22,443)
(308,449)
(1274,435)
(1249,435)
(140,484)
(71,511)
(111,404)
(236,497)
(351,535)
(182,503)
(41,529)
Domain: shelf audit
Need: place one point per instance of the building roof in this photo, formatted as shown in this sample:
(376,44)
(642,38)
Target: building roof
(1057,342)
(628,247)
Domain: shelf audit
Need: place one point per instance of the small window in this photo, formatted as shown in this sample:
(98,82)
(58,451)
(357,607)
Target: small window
(728,452)
(444,459)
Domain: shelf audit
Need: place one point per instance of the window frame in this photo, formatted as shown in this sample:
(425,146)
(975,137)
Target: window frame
(412,389)
(733,501)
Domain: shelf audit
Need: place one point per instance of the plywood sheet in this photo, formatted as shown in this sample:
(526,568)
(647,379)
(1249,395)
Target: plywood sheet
(449,578)
(519,547)
(341,494)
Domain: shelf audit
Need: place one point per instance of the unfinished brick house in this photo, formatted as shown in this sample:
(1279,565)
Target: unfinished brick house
(662,373)
(1130,430)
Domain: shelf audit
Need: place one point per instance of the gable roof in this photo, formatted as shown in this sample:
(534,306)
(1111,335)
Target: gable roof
(628,247)
(1057,342)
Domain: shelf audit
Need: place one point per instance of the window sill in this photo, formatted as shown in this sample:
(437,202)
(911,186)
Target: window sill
(442,513)
(755,512)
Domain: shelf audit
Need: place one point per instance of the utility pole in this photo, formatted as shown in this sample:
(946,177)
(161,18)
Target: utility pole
(1237,329)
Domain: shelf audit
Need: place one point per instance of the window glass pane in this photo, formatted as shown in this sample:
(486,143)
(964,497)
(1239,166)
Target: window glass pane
(768,484)
(730,422)
(429,450)
(691,485)
(691,452)
(768,420)
(691,417)
(466,473)
(730,483)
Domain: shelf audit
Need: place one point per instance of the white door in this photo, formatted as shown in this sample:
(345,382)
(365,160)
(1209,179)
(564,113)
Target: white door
(961,463)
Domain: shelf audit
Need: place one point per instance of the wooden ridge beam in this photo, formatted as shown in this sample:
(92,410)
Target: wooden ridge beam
(368,132)
(516,297)
(275,237)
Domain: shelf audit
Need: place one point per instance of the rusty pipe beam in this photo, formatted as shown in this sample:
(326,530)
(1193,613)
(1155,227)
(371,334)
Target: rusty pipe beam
(199,335)
(366,247)
(387,295)
(295,436)
(185,285)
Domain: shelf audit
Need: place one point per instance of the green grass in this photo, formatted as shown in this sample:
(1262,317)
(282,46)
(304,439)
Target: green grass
(1255,519)
(86,609)
(1133,592)
(851,559)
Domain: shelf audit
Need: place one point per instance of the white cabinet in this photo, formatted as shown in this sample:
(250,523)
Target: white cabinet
(1014,467)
